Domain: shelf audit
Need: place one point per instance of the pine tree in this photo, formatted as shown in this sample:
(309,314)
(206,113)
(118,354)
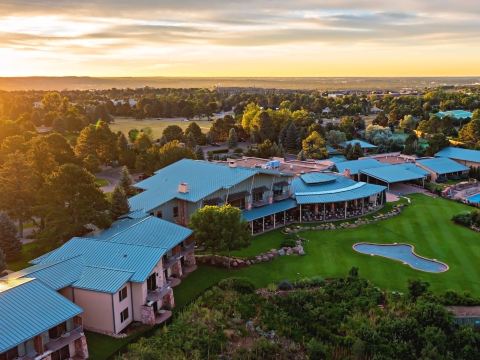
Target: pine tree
(199,153)
(3,262)
(9,242)
(119,202)
(126,181)
(232,138)
(291,138)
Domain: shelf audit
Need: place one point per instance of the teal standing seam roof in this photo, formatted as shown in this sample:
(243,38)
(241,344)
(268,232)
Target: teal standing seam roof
(28,310)
(460,154)
(363,144)
(456,114)
(393,174)
(317,177)
(443,165)
(276,207)
(140,260)
(412,167)
(150,231)
(56,275)
(203,178)
(359,192)
(103,280)
(356,165)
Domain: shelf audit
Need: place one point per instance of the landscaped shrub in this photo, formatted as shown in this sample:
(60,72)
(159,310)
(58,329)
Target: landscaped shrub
(241,285)
(219,151)
(464,219)
(288,242)
(309,283)
(285,285)
(238,150)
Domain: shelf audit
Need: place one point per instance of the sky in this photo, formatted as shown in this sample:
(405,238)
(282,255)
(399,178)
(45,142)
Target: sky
(240,38)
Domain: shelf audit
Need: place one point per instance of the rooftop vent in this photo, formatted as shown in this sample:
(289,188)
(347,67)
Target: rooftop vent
(232,163)
(183,188)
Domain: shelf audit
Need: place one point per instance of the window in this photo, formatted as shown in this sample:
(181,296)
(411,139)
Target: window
(62,354)
(124,315)
(175,211)
(152,282)
(122,294)
(257,196)
(159,214)
(57,331)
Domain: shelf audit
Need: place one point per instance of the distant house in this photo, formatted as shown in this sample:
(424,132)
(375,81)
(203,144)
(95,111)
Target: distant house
(466,315)
(375,110)
(36,322)
(455,114)
(470,158)
(366,146)
(326,110)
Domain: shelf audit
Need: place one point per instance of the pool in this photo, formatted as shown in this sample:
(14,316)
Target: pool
(474,199)
(404,253)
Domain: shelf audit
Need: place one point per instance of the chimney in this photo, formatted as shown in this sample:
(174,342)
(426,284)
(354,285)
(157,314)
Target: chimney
(232,163)
(347,173)
(183,188)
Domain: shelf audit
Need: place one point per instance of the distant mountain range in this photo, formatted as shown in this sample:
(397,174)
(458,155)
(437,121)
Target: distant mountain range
(320,83)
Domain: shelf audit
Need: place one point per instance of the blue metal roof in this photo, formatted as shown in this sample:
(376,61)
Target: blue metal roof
(103,280)
(456,114)
(317,178)
(56,275)
(356,165)
(150,231)
(412,167)
(363,144)
(393,173)
(140,260)
(28,308)
(203,178)
(459,154)
(276,207)
(442,165)
(342,189)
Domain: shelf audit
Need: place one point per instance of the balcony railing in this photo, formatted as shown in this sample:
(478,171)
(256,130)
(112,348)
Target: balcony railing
(259,203)
(159,293)
(281,197)
(65,339)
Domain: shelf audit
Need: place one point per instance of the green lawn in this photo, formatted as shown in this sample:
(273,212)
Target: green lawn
(29,251)
(425,224)
(125,124)
(101,182)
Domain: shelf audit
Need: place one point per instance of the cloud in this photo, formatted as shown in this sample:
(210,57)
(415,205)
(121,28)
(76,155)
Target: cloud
(147,28)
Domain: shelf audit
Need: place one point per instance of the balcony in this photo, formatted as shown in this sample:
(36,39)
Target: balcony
(187,249)
(162,315)
(169,261)
(159,293)
(259,203)
(65,339)
(281,197)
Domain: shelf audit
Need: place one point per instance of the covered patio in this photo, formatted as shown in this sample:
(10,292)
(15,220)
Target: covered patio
(271,216)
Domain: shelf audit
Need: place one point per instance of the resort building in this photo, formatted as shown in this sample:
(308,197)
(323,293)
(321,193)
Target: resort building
(175,192)
(443,169)
(470,158)
(123,274)
(36,322)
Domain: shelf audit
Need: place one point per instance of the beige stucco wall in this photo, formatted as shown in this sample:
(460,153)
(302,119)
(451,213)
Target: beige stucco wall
(97,309)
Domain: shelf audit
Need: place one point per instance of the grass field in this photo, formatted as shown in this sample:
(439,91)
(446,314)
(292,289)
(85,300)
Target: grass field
(425,224)
(124,124)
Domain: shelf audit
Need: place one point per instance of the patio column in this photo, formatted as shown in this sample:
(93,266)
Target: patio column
(251,225)
(345,209)
(284,217)
(363,205)
(263,224)
(324,210)
(274,220)
(300,212)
